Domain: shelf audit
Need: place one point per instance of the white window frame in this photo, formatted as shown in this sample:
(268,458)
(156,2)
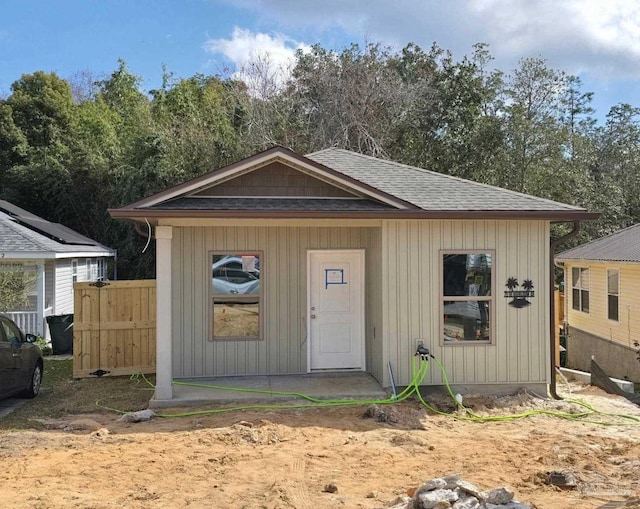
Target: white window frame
(610,294)
(580,285)
(74,270)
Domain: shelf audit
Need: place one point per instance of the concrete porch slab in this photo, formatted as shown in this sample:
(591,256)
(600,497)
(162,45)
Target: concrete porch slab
(245,389)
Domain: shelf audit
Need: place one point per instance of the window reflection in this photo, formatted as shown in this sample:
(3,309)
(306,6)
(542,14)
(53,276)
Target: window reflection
(236,296)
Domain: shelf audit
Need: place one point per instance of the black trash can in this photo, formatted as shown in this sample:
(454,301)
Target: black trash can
(61,328)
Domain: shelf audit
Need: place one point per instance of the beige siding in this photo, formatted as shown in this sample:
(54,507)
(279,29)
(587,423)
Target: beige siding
(596,321)
(411,300)
(276,179)
(283,278)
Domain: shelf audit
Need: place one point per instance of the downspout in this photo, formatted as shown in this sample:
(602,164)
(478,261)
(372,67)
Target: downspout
(552,315)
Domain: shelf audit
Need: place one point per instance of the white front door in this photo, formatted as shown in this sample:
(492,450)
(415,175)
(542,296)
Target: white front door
(336,309)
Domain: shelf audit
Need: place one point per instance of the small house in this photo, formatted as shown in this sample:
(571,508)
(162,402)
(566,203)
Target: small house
(602,288)
(53,257)
(336,261)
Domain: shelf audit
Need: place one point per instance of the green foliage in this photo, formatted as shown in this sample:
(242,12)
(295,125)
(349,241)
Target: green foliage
(44,345)
(69,151)
(15,286)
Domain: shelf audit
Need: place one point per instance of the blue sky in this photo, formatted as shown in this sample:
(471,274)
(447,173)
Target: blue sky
(595,39)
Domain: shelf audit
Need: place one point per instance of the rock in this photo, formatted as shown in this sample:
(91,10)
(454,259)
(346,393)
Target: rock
(452,480)
(371,411)
(102,432)
(331,488)
(561,479)
(467,502)
(83,425)
(402,502)
(374,412)
(372,494)
(433,484)
(142,415)
(430,499)
(469,488)
(499,496)
(509,505)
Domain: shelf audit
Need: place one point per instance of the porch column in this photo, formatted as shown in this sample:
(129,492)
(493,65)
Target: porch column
(40,301)
(164,367)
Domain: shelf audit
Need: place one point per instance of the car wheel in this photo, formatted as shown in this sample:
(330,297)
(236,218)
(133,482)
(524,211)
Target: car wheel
(34,384)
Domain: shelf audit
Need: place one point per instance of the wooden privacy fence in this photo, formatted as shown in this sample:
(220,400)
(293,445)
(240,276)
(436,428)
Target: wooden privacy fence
(114,328)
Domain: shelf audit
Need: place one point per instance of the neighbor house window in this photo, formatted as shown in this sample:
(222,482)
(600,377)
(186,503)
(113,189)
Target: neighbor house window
(467,297)
(236,295)
(74,270)
(580,288)
(613,293)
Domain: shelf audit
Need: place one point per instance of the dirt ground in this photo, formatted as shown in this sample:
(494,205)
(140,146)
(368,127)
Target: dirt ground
(285,458)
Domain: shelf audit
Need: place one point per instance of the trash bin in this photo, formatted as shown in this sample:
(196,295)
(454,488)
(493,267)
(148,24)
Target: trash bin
(61,328)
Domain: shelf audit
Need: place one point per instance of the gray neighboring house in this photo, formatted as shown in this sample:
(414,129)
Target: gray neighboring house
(56,255)
(602,288)
(359,260)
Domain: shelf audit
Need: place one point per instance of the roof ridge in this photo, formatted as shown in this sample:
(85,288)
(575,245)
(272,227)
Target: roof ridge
(446,176)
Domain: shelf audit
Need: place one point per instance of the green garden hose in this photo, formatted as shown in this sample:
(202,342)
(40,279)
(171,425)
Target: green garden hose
(463,413)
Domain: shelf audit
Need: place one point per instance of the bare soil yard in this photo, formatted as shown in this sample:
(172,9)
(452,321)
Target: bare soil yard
(285,458)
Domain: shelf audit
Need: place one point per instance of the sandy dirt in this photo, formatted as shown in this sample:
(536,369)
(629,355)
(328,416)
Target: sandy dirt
(285,458)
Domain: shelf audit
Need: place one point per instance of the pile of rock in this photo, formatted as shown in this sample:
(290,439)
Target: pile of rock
(452,492)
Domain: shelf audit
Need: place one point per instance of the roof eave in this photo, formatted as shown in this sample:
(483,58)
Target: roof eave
(140,214)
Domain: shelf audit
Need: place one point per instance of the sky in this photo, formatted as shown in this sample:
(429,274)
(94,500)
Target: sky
(597,40)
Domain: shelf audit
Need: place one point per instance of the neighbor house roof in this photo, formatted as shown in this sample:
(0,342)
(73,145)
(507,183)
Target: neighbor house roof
(622,246)
(27,236)
(381,189)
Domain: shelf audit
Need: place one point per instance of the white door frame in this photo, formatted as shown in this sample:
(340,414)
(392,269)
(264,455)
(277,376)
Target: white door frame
(361,291)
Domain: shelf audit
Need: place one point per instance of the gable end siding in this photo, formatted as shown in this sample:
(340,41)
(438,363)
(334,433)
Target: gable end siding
(276,179)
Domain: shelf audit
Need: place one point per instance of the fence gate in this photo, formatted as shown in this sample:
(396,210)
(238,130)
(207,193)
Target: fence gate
(114,328)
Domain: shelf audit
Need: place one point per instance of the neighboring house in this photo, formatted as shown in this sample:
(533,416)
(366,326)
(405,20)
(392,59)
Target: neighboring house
(57,257)
(359,260)
(602,296)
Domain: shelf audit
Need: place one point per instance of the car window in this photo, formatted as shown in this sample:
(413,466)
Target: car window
(10,331)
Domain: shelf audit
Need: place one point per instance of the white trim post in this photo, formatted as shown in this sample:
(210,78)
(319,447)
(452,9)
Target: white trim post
(40,301)
(164,367)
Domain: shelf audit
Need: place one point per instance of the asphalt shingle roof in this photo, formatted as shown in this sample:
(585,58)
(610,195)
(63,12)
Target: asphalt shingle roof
(622,246)
(269,204)
(430,190)
(17,237)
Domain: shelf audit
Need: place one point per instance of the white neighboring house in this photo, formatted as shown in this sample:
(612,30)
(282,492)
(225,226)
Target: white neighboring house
(56,254)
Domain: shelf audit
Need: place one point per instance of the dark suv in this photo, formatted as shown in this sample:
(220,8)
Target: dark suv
(20,361)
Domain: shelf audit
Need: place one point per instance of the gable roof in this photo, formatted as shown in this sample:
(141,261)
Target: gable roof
(621,246)
(25,235)
(386,190)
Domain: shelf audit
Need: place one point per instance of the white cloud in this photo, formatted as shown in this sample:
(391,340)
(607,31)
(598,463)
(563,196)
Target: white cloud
(601,38)
(263,61)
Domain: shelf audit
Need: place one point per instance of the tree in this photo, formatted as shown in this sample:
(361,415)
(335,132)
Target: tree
(15,286)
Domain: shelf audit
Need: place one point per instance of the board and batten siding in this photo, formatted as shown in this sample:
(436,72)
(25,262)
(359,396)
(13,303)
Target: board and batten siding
(411,292)
(284,284)
(627,329)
